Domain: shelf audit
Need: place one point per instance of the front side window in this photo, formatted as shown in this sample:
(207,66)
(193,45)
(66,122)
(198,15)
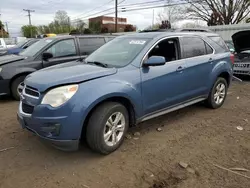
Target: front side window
(167,48)
(63,48)
(89,45)
(192,47)
(119,52)
(37,47)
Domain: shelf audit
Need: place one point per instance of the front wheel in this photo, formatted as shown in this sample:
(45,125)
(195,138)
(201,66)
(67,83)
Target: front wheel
(107,127)
(17,87)
(217,94)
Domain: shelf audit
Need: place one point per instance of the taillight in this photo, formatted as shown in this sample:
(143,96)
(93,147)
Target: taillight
(232,58)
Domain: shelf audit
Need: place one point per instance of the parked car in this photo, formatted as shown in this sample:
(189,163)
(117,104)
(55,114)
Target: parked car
(47,52)
(19,47)
(5,43)
(131,79)
(241,50)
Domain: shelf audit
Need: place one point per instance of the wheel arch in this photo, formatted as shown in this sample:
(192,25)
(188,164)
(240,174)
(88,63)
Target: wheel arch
(120,99)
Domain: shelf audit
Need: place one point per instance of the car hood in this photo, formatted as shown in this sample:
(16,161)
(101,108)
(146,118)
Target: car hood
(10,58)
(67,73)
(241,41)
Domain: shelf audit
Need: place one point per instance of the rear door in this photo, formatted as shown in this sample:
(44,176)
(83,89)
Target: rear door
(198,56)
(89,45)
(63,51)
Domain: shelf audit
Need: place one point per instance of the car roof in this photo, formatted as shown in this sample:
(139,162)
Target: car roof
(166,34)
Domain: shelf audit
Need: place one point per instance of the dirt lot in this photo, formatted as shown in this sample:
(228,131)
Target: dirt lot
(198,136)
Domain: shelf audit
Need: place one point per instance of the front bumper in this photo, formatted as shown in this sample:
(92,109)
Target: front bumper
(4,87)
(45,129)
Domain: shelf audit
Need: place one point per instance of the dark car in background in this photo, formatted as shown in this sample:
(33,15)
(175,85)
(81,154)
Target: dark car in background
(19,47)
(44,53)
(240,46)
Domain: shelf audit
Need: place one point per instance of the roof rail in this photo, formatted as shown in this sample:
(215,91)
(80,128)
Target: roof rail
(178,30)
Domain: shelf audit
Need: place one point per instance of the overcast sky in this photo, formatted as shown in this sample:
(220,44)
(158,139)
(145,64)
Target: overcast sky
(12,11)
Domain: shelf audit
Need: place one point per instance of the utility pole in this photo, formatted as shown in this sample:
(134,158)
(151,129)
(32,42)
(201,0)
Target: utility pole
(29,15)
(1,27)
(153,20)
(69,23)
(116,13)
(7,29)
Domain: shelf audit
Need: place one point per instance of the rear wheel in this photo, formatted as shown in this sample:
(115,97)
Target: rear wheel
(107,127)
(17,87)
(217,94)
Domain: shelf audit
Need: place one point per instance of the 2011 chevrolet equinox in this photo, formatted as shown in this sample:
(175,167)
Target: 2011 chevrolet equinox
(131,79)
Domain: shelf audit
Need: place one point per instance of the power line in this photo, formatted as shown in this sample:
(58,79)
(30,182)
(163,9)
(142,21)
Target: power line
(95,8)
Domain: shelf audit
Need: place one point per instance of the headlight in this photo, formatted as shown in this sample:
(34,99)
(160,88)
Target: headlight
(0,69)
(3,52)
(58,96)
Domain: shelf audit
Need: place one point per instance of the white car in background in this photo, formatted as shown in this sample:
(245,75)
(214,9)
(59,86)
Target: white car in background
(6,43)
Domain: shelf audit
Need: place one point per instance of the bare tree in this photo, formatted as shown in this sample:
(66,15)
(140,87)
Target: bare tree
(172,13)
(219,12)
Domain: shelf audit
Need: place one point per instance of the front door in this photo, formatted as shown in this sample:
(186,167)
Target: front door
(163,86)
(62,51)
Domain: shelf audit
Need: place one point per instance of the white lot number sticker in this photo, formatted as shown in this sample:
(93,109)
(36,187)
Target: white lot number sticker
(140,42)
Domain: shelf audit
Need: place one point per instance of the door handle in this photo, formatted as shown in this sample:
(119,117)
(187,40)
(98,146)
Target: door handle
(210,60)
(179,69)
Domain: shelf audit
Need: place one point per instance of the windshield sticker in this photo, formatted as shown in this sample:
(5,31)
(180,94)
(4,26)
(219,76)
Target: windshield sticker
(140,42)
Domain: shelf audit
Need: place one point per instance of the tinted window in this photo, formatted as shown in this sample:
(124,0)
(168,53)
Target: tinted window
(209,49)
(89,45)
(219,41)
(63,48)
(193,46)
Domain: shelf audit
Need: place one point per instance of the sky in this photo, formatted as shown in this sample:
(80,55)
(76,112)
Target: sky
(12,12)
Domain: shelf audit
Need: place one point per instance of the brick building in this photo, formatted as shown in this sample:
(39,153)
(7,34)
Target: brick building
(109,23)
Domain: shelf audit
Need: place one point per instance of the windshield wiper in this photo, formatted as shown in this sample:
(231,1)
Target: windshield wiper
(98,63)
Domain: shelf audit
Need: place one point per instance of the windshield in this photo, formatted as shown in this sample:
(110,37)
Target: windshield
(119,52)
(35,48)
(20,44)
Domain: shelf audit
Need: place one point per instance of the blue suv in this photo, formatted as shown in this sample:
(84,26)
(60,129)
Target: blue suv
(130,79)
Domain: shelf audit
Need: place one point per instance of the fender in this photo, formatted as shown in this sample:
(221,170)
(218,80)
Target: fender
(92,97)
(220,67)
(10,72)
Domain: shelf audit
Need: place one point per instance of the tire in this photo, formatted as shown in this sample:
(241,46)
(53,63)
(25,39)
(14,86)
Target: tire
(14,87)
(212,100)
(98,127)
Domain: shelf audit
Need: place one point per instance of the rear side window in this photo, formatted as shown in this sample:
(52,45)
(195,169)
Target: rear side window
(192,47)
(89,45)
(218,40)
(208,49)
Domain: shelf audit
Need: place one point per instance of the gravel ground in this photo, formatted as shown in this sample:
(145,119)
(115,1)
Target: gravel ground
(200,137)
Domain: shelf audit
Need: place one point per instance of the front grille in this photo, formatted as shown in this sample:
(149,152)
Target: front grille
(240,72)
(31,91)
(28,109)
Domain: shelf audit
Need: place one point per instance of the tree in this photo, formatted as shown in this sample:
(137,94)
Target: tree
(219,12)
(129,28)
(87,31)
(62,17)
(172,13)
(29,31)
(190,24)
(95,27)
(80,24)
(3,33)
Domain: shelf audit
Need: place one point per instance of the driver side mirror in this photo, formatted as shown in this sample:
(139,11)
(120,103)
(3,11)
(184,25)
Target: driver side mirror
(46,56)
(155,61)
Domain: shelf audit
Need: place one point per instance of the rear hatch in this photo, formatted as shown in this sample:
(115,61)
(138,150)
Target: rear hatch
(241,42)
